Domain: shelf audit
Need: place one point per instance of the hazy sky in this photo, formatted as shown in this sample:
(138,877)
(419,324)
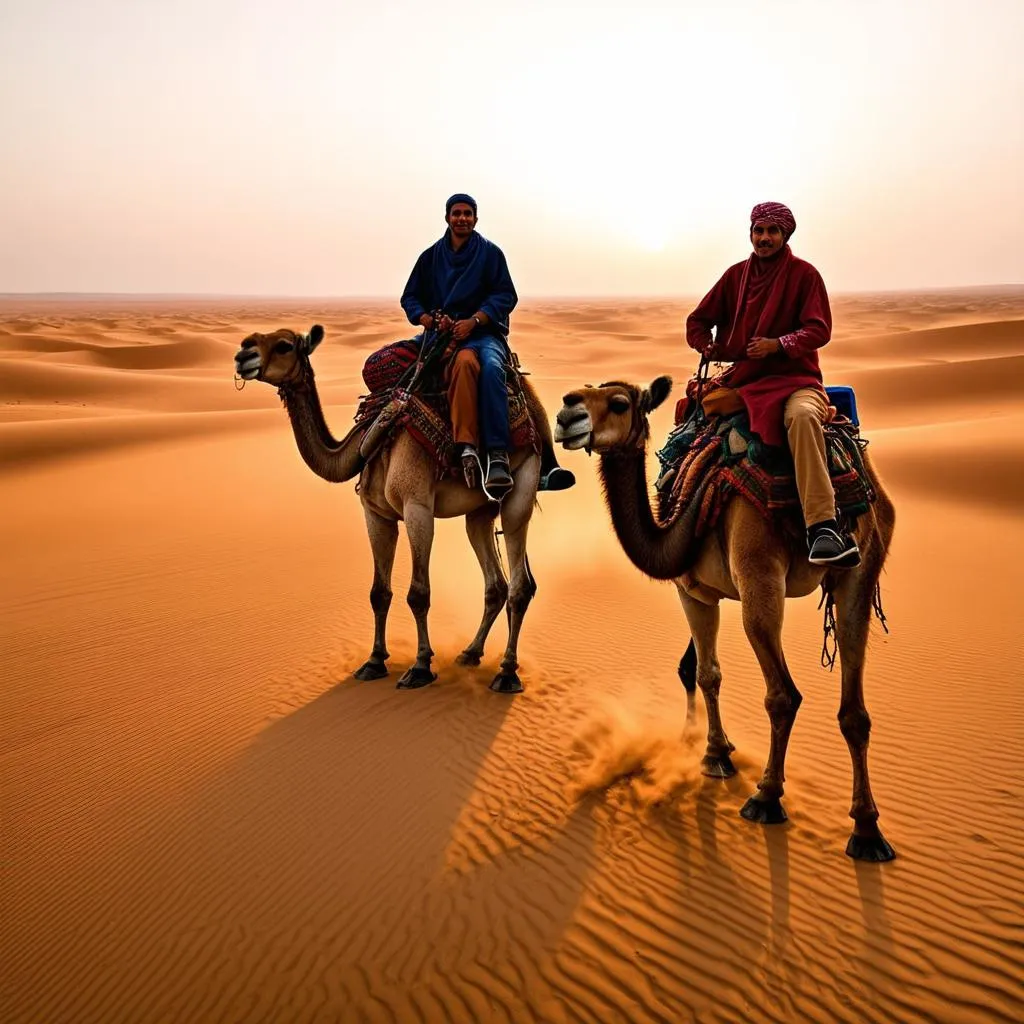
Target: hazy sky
(307,147)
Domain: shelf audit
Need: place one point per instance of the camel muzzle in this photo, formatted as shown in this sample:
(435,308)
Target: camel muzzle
(248,363)
(573,427)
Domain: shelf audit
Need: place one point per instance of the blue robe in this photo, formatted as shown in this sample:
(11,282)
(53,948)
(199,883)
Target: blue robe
(460,283)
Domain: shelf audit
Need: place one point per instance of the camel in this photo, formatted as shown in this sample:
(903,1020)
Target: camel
(746,559)
(399,485)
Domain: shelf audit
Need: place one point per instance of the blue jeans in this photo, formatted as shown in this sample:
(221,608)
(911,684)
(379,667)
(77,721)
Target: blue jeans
(493,398)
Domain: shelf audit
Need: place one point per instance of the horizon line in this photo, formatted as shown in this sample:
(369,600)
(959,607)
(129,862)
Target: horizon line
(558,296)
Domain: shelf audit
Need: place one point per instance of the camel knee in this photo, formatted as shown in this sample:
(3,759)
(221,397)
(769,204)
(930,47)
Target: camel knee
(783,706)
(855,725)
(495,595)
(380,598)
(519,598)
(709,679)
(419,598)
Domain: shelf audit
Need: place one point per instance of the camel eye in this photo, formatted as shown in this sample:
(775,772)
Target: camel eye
(282,348)
(618,404)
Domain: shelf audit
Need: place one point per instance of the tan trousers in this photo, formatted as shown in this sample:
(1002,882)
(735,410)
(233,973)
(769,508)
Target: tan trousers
(463,389)
(806,410)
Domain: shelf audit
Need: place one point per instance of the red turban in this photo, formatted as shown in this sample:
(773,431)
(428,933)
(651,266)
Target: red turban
(774,213)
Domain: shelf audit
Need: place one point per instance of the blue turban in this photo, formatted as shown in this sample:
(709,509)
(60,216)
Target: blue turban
(459,197)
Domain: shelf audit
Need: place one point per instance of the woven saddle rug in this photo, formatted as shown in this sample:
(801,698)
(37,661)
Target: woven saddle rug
(426,416)
(731,460)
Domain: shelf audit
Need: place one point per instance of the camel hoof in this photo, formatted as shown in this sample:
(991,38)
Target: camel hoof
(763,812)
(468,658)
(870,848)
(371,670)
(718,767)
(415,678)
(507,682)
(688,669)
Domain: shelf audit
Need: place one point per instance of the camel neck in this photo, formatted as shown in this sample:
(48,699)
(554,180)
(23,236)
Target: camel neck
(661,552)
(334,461)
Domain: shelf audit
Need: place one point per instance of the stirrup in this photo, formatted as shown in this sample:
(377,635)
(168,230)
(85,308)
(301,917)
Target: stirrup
(497,489)
(472,470)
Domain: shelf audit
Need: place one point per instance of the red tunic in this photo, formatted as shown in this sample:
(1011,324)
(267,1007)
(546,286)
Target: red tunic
(782,297)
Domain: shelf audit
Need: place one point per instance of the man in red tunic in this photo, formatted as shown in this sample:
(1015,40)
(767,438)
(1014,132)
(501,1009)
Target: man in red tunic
(770,315)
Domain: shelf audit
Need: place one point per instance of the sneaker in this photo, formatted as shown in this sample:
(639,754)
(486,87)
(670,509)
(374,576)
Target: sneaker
(556,479)
(829,547)
(472,469)
(498,481)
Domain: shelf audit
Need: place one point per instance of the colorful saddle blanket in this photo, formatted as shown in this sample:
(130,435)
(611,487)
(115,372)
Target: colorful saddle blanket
(427,416)
(732,460)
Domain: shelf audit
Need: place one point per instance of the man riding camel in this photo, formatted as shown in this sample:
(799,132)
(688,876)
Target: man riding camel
(466,276)
(771,315)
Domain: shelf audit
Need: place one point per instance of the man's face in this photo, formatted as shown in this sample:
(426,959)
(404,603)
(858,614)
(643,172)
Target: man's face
(766,238)
(461,219)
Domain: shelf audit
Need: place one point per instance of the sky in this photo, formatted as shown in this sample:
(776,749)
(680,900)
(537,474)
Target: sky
(307,147)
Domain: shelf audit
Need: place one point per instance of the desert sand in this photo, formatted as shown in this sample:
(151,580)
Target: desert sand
(206,818)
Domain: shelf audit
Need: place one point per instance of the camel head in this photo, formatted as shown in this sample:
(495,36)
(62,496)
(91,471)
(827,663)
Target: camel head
(277,358)
(612,417)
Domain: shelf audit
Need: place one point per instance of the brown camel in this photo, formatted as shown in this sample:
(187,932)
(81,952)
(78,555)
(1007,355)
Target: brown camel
(399,484)
(749,560)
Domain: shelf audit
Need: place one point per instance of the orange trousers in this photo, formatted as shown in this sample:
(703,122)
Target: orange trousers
(463,389)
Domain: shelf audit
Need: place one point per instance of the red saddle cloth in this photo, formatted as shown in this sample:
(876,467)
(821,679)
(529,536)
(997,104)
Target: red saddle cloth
(427,417)
(384,368)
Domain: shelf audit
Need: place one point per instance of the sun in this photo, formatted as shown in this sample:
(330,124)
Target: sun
(650,238)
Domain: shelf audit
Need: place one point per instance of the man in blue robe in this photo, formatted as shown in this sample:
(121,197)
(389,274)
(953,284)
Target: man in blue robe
(467,277)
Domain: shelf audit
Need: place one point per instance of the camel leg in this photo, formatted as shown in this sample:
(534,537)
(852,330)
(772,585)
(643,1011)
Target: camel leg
(419,526)
(704,620)
(480,528)
(762,607)
(383,535)
(516,510)
(853,595)
(688,667)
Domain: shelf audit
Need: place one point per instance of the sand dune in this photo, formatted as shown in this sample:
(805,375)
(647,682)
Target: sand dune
(205,817)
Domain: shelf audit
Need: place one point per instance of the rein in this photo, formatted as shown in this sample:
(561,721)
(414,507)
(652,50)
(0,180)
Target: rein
(703,372)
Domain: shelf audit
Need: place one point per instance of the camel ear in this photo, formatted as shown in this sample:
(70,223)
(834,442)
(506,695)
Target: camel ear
(653,396)
(315,336)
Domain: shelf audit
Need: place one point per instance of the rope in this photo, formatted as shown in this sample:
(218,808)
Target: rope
(501,561)
(876,606)
(830,644)
(703,372)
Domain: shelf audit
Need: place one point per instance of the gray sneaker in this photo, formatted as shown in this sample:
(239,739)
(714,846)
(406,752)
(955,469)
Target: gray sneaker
(498,480)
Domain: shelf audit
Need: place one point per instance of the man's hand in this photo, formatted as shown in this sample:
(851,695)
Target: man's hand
(759,348)
(444,322)
(463,329)
(426,321)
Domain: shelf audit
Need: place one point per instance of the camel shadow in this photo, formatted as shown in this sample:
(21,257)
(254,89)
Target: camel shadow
(321,840)
(877,943)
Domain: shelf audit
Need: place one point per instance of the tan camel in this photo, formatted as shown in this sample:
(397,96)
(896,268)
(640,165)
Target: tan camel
(749,560)
(397,485)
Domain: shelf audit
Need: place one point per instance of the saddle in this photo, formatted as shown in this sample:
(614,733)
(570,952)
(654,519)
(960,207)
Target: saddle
(713,454)
(424,413)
